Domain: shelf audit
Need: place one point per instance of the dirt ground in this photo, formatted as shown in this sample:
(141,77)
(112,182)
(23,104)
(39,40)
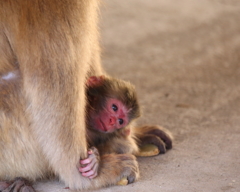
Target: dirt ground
(184,58)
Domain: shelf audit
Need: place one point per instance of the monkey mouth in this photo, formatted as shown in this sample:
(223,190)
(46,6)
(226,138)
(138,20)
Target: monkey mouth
(102,125)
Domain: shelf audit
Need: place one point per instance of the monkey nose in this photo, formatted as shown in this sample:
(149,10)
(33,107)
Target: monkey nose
(112,121)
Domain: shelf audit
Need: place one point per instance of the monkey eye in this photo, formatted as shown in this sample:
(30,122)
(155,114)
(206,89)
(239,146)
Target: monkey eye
(114,107)
(120,121)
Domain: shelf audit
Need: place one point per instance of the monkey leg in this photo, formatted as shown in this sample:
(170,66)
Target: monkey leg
(155,135)
(120,165)
(18,185)
(114,167)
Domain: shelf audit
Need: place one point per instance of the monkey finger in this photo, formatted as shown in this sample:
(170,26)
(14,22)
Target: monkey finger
(90,152)
(86,168)
(93,176)
(91,158)
(88,174)
(86,161)
(93,150)
(95,169)
(94,172)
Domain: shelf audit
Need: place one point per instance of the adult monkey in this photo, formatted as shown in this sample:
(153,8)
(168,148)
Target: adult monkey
(47,50)
(53,46)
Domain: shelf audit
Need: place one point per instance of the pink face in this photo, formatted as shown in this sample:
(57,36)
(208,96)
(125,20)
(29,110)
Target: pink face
(113,117)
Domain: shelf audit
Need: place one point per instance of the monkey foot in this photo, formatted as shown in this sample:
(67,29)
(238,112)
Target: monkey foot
(18,185)
(148,150)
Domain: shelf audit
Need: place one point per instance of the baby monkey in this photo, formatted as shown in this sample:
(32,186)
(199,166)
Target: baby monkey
(112,105)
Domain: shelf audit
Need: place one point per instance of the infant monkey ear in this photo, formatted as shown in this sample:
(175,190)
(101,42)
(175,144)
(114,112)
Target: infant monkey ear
(95,81)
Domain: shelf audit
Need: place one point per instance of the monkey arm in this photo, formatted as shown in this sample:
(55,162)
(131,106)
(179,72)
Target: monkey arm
(120,144)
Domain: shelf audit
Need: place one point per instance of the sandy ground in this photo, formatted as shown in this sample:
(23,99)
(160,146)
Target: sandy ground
(184,58)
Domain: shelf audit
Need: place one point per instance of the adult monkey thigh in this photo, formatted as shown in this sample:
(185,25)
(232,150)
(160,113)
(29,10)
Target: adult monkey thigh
(48,48)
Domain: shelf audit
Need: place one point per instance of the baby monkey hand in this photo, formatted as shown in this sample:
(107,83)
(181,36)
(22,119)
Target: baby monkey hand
(89,166)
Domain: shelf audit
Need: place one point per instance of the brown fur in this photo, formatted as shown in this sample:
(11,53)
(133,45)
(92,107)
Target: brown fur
(116,142)
(53,46)
(128,138)
(116,88)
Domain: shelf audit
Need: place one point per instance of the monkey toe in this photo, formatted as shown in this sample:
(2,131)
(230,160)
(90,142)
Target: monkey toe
(153,139)
(19,185)
(131,178)
(27,189)
(163,136)
(4,185)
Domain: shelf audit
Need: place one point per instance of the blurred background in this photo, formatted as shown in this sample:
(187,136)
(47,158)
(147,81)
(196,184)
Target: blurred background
(184,59)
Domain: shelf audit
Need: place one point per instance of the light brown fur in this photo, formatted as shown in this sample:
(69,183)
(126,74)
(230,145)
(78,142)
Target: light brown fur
(53,46)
